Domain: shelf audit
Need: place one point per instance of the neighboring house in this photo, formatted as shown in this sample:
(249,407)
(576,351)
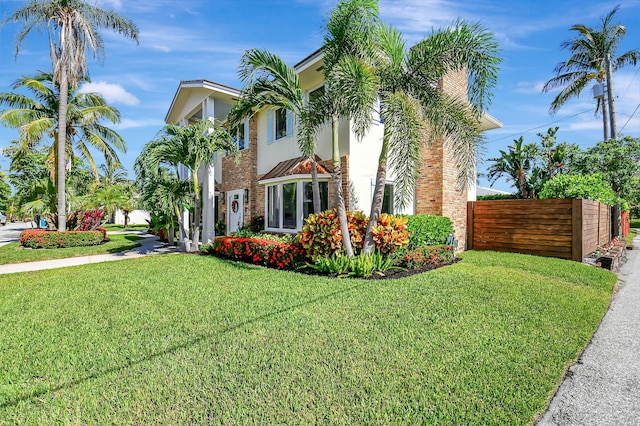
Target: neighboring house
(482,191)
(272,179)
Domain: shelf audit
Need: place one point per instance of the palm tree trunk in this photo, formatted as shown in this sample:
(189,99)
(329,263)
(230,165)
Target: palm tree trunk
(378,195)
(61,150)
(337,187)
(197,213)
(317,205)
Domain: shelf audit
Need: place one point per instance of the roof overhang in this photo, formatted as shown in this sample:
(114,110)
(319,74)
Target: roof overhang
(189,88)
(489,122)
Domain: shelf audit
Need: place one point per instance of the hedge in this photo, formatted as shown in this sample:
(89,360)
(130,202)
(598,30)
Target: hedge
(273,254)
(38,238)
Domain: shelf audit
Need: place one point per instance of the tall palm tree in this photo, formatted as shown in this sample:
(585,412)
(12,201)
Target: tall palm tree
(192,146)
(416,111)
(350,84)
(515,164)
(37,119)
(270,83)
(72,27)
(593,57)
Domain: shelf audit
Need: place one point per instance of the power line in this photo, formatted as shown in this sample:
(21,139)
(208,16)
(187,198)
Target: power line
(542,126)
(630,117)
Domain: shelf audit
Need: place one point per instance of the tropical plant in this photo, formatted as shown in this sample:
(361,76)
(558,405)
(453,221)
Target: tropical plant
(415,109)
(72,28)
(350,84)
(270,83)
(515,164)
(592,57)
(37,119)
(428,230)
(5,192)
(192,146)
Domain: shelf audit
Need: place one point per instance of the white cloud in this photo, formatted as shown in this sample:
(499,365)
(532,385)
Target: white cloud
(111,92)
(529,87)
(130,124)
(113,4)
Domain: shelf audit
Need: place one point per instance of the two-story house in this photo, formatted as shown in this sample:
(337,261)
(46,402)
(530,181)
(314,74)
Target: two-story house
(272,179)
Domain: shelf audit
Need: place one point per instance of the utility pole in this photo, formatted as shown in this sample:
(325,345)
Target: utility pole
(598,93)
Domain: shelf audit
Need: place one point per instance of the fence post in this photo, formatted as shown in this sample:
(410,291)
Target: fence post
(470,206)
(576,230)
(616,225)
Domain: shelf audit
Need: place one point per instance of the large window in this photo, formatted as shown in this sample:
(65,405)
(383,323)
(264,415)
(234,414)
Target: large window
(240,136)
(289,203)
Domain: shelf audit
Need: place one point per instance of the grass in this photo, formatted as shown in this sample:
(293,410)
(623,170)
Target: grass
(197,340)
(635,223)
(113,227)
(632,234)
(13,253)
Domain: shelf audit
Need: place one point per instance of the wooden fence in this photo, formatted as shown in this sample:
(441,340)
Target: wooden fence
(564,228)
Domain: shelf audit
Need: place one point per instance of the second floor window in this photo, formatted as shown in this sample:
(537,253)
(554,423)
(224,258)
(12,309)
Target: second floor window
(281,123)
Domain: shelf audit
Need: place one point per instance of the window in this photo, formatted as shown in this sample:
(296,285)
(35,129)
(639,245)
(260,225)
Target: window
(281,123)
(387,199)
(273,206)
(288,204)
(240,136)
(307,202)
(315,94)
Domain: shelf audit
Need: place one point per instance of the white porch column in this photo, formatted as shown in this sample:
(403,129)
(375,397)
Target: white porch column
(184,172)
(208,204)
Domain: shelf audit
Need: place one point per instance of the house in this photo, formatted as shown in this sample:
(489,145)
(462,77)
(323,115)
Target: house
(272,179)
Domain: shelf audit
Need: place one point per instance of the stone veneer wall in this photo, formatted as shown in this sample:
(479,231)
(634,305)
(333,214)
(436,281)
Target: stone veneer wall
(436,188)
(243,176)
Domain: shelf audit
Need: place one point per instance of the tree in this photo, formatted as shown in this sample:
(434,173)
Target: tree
(618,162)
(72,27)
(5,192)
(350,84)
(270,83)
(37,119)
(192,146)
(593,57)
(416,111)
(515,164)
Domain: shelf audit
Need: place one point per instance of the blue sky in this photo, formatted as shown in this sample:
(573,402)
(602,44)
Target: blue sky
(204,39)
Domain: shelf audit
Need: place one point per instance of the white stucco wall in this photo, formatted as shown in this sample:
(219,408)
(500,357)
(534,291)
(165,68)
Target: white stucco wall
(136,217)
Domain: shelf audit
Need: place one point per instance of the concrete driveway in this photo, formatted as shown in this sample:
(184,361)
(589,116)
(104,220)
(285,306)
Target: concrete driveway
(11,231)
(603,387)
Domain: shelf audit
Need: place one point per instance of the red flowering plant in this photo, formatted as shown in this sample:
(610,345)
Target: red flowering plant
(259,251)
(426,255)
(90,220)
(38,238)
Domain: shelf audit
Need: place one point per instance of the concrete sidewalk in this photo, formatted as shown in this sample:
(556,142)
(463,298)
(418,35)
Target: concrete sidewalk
(149,245)
(603,387)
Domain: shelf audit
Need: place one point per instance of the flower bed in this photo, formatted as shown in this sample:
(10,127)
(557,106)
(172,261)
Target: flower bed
(38,238)
(259,251)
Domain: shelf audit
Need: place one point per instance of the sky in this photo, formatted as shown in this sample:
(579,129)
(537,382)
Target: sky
(205,39)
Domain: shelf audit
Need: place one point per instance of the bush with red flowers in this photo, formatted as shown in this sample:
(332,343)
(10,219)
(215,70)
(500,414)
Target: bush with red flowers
(259,251)
(38,238)
(426,255)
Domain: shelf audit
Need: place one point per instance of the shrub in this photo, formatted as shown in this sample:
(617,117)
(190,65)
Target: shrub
(363,265)
(426,255)
(37,238)
(590,187)
(337,263)
(390,233)
(428,230)
(493,197)
(273,254)
(321,234)
(90,220)
(256,224)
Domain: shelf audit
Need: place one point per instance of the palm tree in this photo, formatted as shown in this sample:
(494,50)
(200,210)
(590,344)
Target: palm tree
(417,111)
(592,57)
(37,119)
(515,164)
(270,83)
(164,195)
(192,146)
(350,84)
(72,27)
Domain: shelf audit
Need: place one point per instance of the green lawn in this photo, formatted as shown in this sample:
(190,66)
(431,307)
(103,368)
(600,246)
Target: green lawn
(13,253)
(198,340)
(113,227)
(635,223)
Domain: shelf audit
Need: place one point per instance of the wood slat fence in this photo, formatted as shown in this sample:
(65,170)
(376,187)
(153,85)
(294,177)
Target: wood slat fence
(564,228)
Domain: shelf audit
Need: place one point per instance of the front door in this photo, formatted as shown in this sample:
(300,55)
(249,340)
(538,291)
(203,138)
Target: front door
(235,210)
